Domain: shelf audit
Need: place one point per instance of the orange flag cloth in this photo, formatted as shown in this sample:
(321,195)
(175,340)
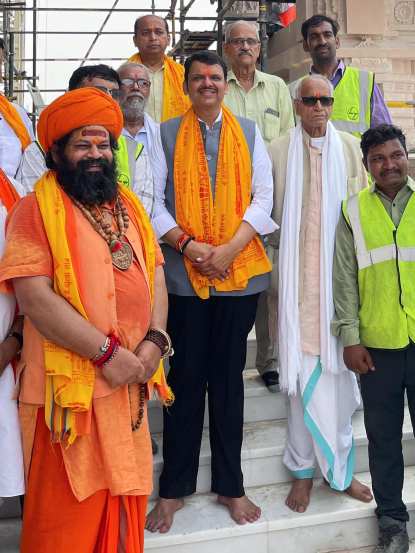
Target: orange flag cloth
(216,221)
(8,194)
(13,118)
(75,109)
(175,101)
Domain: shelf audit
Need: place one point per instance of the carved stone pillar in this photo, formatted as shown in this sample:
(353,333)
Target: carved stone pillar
(378,35)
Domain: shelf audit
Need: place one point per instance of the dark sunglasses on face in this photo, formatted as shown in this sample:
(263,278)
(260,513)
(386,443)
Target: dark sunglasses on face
(114,92)
(325,101)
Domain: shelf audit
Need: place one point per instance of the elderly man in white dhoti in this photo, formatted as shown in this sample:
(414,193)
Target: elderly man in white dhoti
(11,464)
(315,167)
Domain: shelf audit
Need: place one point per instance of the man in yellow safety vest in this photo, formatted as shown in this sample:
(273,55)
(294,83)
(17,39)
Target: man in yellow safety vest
(374,295)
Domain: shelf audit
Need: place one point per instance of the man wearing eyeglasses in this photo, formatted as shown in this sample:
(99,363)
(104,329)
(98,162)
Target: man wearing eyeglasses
(167,99)
(135,156)
(266,100)
(315,167)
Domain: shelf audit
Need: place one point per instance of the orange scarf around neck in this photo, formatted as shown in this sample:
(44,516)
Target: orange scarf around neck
(8,194)
(215,221)
(175,102)
(13,118)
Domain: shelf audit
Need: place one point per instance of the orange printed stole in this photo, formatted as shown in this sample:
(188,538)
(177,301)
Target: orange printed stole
(8,194)
(175,102)
(70,378)
(215,221)
(13,118)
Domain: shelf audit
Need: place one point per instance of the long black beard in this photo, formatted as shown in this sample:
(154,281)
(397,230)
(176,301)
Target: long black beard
(89,187)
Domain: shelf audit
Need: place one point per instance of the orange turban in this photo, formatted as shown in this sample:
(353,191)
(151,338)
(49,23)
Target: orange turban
(75,109)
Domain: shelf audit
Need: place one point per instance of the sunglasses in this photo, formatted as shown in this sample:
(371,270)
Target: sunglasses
(325,101)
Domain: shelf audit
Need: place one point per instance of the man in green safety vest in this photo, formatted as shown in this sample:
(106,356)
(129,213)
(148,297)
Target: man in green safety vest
(374,295)
(359,104)
(135,157)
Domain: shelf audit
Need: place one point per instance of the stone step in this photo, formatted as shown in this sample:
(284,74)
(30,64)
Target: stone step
(10,535)
(263,448)
(332,522)
(260,404)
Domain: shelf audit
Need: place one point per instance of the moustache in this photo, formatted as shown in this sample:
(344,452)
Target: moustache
(390,172)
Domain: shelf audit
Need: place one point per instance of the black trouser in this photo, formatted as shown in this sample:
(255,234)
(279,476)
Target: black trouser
(209,339)
(383,394)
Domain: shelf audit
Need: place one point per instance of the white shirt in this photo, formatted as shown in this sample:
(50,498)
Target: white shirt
(143,182)
(257,213)
(10,146)
(32,167)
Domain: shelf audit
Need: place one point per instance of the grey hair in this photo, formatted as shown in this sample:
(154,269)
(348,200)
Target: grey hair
(313,77)
(131,64)
(230,26)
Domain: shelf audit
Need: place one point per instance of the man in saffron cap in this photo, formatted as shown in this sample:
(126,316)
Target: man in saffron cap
(166,99)
(85,267)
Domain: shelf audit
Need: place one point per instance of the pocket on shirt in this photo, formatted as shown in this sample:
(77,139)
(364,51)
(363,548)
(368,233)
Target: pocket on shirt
(271,125)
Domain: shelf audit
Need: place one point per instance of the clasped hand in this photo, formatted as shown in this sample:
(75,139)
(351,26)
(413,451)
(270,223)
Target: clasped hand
(211,261)
(132,368)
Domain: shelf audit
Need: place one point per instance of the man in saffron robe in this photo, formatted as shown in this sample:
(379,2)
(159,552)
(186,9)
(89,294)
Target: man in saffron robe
(213,190)
(166,99)
(84,265)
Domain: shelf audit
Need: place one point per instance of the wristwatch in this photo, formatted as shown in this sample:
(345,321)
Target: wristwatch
(162,340)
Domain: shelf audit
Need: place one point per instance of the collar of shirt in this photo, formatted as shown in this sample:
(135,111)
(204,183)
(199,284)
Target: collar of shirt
(337,72)
(258,79)
(136,137)
(218,118)
(410,183)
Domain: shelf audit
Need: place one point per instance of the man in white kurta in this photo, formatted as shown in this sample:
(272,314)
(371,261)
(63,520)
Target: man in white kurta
(315,167)
(11,458)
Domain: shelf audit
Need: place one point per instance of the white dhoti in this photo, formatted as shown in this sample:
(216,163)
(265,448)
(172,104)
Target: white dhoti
(320,432)
(323,394)
(11,457)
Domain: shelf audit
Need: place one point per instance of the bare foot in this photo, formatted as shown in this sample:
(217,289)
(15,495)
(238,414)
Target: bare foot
(359,491)
(160,518)
(299,496)
(241,509)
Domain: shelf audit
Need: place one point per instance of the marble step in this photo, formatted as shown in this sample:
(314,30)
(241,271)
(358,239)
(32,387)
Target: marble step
(260,404)
(10,535)
(333,522)
(263,448)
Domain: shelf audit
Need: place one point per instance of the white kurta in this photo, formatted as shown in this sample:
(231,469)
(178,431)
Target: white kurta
(11,457)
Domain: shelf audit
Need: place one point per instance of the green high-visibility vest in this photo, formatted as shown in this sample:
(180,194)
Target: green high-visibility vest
(352,96)
(386,270)
(125,156)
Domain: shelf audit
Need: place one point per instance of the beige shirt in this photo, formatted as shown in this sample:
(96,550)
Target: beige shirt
(154,105)
(356,180)
(268,103)
(309,307)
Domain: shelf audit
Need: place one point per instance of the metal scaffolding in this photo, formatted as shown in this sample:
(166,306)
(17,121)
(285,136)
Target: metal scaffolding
(14,14)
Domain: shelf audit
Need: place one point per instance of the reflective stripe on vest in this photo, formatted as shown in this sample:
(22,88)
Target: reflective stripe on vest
(126,160)
(366,257)
(352,96)
(386,270)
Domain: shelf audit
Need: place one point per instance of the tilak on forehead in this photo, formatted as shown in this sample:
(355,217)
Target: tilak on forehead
(93,132)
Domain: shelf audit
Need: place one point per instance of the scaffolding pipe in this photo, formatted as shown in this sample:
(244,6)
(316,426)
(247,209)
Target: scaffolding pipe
(219,45)
(182,20)
(11,66)
(262,20)
(99,32)
(34,66)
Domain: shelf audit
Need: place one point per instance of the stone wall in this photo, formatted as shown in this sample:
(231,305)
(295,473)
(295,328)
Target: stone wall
(378,35)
